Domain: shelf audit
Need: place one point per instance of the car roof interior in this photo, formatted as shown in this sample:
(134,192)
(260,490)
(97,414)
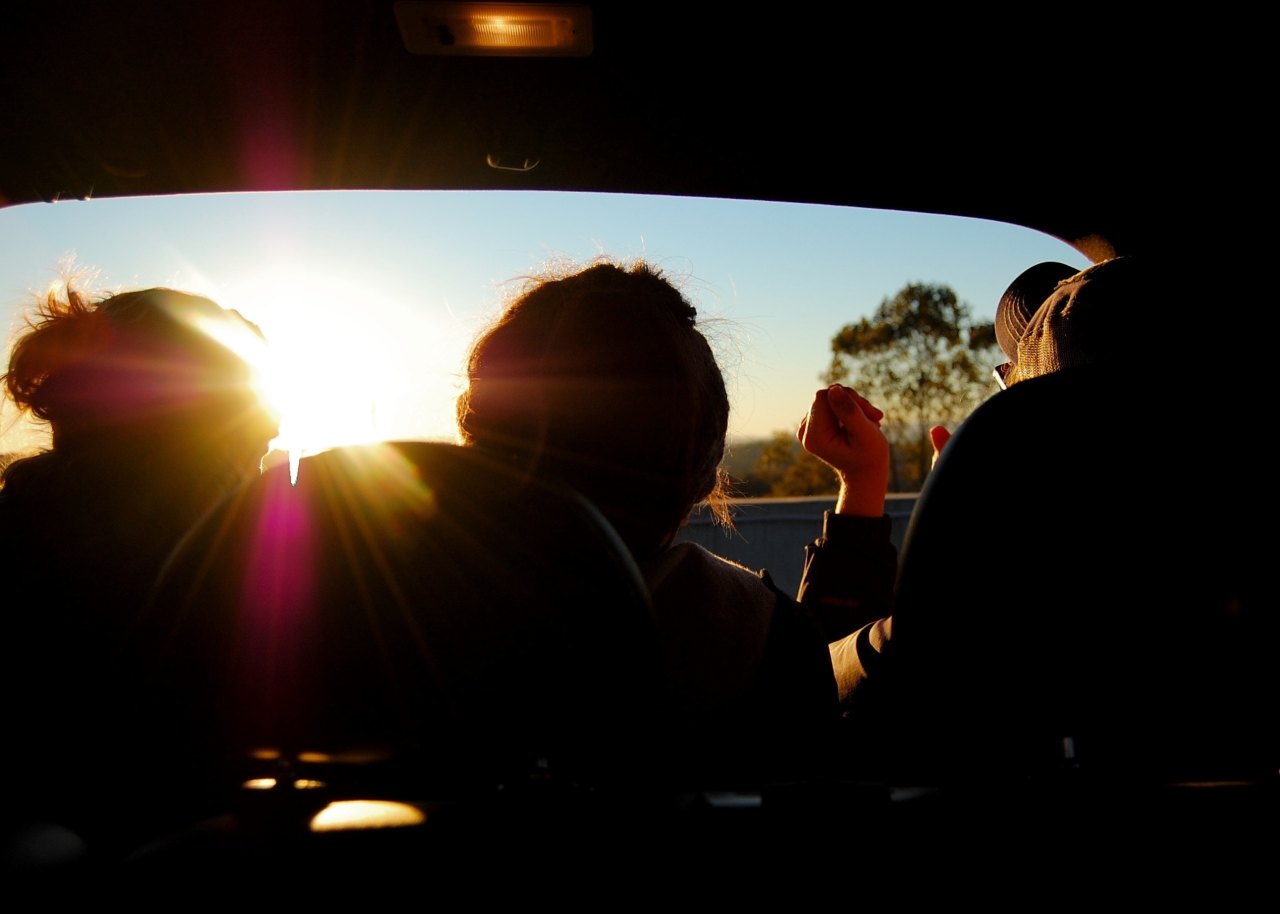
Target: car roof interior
(146,98)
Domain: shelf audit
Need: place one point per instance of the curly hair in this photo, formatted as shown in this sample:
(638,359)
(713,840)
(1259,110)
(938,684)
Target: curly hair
(133,370)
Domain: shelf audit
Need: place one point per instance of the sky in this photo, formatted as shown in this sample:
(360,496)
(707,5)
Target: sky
(370,299)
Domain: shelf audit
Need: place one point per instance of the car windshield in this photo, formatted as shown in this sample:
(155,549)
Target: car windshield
(370,299)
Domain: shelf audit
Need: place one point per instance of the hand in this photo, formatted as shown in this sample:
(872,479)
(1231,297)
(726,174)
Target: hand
(939,436)
(842,429)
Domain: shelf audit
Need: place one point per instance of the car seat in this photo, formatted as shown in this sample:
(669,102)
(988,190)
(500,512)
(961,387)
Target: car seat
(408,616)
(1075,589)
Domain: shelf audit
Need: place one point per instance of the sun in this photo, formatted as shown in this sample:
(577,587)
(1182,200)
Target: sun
(348,364)
(325,385)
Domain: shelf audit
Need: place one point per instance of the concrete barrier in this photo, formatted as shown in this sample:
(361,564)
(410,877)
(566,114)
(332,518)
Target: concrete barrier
(771,533)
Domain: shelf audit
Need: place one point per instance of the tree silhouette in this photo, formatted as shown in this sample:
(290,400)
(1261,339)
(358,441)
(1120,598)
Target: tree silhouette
(923,360)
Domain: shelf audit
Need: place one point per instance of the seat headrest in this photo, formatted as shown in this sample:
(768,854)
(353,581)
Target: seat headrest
(417,597)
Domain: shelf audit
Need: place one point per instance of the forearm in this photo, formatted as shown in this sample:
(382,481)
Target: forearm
(849,573)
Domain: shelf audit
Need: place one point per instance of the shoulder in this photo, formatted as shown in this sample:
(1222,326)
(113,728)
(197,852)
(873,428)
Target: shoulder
(690,561)
(690,580)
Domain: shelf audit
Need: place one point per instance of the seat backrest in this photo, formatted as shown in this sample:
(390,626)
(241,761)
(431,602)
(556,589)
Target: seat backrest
(414,602)
(1077,567)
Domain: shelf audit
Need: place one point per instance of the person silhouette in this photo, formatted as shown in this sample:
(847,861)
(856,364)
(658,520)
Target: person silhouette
(1046,612)
(602,377)
(153,417)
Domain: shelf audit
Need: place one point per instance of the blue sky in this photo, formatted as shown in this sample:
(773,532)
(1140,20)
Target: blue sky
(372,297)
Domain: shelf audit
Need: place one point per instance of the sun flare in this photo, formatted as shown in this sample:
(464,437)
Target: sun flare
(348,365)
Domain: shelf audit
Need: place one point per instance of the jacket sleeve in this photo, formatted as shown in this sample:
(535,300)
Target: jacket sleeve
(849,573)
(859,661)
(801,707)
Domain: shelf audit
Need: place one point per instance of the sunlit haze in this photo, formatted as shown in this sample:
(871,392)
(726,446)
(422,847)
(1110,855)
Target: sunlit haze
(370,300)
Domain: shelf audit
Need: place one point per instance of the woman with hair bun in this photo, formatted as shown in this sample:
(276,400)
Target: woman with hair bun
(602,378)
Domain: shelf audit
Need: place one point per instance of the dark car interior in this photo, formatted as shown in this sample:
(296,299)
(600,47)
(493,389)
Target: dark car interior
(939,113)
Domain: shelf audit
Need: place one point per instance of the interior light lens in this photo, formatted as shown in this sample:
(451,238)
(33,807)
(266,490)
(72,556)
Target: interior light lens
(495,29)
